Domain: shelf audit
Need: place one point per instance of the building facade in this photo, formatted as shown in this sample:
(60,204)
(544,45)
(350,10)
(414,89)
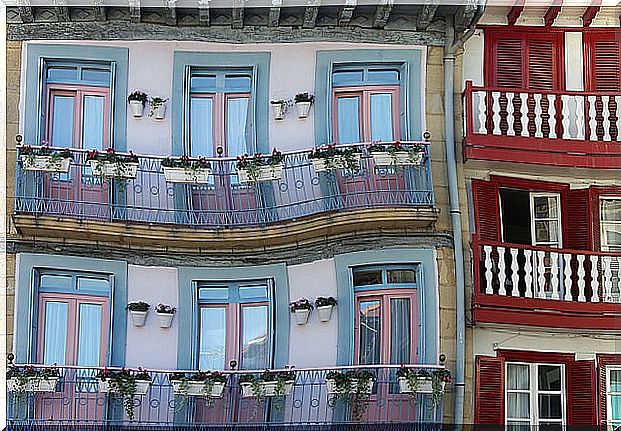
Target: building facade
(228,252)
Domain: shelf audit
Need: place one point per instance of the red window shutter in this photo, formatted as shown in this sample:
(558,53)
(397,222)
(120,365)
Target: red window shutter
(541,64)
(582,393)
(508,69)
(577,220)
(607,64)
(596,216)
(486,210)
(489,398)
(603,362)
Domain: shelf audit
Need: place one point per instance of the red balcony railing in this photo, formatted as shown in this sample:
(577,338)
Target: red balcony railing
(558,287)
(568,128)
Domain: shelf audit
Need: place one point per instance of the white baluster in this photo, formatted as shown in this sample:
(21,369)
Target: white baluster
(541,269)
(510,117)
(552,112)
(515,278)
(502,276)
(594,280)
(487,250)
(528,270)
(567,276)
(607,279)
(580,120)
(581,296)
(481,112)
(496,112)
(592,119)
(538,119)
(524,113)
(554,275)
(606,115)
(616,292)
(618,114)
(565,116)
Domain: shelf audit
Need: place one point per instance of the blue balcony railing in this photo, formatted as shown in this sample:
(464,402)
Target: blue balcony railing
(77,401)
(223,200)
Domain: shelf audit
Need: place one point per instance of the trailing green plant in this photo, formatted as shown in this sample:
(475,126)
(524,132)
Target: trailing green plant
(300,304)
(282,378)
(253,165)
(138,96)
(191,166)
(120,162)
(414,151)
(55,156)
(352,389)
(335,157)
(24,375)
(207,378)
(156,102)
(413,380)
(123,384)
(138,306)
(322,301)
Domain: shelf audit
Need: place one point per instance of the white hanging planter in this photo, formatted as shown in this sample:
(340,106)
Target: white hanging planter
(424,386)
(325,312)
(197,389)
(265,173)
(337,162)
(301,316)
(188,176)
(142,387)
(138,317)
(45,164)
(117,170)
(159,112)
(165,319)
(353,387)
(303,109)
(279,110)
(34,384)
(137,108)
(400,158)
(268,389)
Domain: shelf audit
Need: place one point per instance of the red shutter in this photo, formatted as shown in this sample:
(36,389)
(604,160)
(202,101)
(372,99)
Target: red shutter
(603,361)
(508,69)
(486,210)
(606,62)
(582,393)
(541,62)
(489,397)
(577,220)
(596,216)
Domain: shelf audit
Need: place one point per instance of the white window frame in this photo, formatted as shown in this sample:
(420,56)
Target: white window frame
(604,239)
(558,219)
(534,392)
(611,424)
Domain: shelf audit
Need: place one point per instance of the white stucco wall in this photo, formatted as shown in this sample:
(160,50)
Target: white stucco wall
(473,60)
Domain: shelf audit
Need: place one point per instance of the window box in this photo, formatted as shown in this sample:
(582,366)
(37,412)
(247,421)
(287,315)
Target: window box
(325,312)
(301,316)
(263,173)
(353,387)
(303,109)
(142,387)
(328,164)
(268,389)
(45,164)
(197,389)
(32,384)
(424,386)
(116,170)
(190,176)
(399,158)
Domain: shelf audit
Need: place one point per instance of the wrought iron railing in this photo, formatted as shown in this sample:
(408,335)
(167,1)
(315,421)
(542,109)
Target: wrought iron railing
(223,201)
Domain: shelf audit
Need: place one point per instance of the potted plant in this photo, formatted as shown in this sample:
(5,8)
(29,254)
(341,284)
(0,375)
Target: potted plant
(324,307)
(138,310)
(303,102)
(44,158)
(165,314)
(423,382)
(260,168)
(186,170)
(126,384)
(352,387)
(276,384)
(397,154)
(158,108)
(112,164)
(31,379)
(328,158)
(206,384)
(279,107)
(301,308)
(137,100)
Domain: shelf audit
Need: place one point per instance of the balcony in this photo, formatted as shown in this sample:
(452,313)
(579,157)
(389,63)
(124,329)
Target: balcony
(77,401)
(567,128)
(546,287)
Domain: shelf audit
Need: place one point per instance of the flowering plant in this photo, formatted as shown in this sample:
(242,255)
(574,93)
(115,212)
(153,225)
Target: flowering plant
(396,150)
(45,150)
(335,156)
(304,97)
(300,304)
(322,301)
(123,383)
(186,162)
(252,165)
(111,156)
(138,96)
(138,306)
(413,380)
(165,309)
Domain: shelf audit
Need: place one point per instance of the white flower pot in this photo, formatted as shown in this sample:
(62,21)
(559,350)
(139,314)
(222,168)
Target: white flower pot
(279,110)
(424,386)
(136,107)
(138,317)
(266,173)
(34,384)
(159,112)
(301,316)
(165,319)
(117,170)
(401,158)
(269,389)
(333,389)
(324,313)
(189,176)
(197,389)
(319,165)
(303,109)
(45,164)
(142,387)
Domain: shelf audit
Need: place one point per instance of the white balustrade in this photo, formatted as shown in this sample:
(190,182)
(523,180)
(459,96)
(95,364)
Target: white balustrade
(567,277)
(606,115)
(496,112)
(488,269)
(502,275)
(515,277)
(510,117)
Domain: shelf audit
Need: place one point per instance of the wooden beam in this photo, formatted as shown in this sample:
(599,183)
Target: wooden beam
(310,13)
(551,15)
(238,14)
(203,12)
(514,14)
(426,14)
(589,14)
(346,12)
(382,13)
(134,11)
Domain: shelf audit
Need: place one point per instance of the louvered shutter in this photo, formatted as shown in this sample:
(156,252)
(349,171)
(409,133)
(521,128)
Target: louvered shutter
(596,217)
(541,64)
(508,69)
(606,66)
(582,393)
(489,398)
(603,362)
(577,220)
(486,210)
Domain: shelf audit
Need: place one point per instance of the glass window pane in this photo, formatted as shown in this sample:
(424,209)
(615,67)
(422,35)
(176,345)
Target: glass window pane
(218,293)
(613,237)
(255,338)
(611,210)
(546,231)
(253,292)
(348,119)
(55,333)
(549,377)
(203,83)
(370,332)
(201,127)
(518,377)
(56,73)
(62,121)
(367,278)
(518,426)
(400,334)
(396,276)
(56,282)
(615,407)
(383,76)
(212,353)
(346,77)
(96,76)
(518,405)
(381,117)
(545,207)
(237,126)
(89,334)
(240,83)
(93,285)
(615,381)
(550,406)
(93,127)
